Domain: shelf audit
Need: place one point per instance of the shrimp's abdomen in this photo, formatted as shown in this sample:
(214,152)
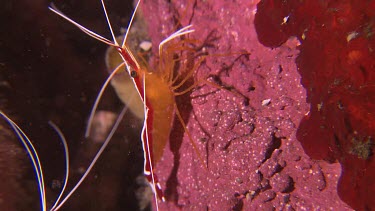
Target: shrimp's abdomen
(161,102)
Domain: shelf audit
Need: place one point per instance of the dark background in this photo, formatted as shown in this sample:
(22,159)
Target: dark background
(50,70)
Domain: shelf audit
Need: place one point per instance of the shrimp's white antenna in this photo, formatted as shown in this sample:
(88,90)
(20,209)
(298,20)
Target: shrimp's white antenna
(34,157)
(84,29)
(98,154)
(130,24)
(67,162)
(95,106)
(109,23)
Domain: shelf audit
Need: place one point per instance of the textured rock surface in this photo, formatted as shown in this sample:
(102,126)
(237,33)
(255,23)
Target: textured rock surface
(248,139)
(337,68)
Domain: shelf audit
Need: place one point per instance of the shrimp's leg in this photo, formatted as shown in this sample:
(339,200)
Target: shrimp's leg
(183,31)
(186,30)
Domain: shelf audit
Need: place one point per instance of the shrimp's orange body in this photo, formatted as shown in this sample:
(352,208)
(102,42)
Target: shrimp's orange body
(160,101)
(158,90)
(159,116)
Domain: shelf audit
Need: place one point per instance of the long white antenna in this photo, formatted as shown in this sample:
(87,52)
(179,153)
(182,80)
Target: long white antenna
(130,24)
(84,29)
(95,106)
(34,157)
(67,162)
(109,23)
(98,154)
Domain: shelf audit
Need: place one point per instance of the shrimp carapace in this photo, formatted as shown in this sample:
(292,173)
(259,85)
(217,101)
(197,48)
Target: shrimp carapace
(139,42)
(123,84)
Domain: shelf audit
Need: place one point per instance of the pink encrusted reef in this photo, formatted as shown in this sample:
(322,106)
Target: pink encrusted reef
(248,139)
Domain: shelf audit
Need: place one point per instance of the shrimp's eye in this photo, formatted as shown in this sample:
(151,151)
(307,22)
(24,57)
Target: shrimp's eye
(133,74)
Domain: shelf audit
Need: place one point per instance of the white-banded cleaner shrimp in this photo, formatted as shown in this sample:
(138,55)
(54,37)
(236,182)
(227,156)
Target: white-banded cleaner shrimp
(158,90)
(168,40)
(159,87)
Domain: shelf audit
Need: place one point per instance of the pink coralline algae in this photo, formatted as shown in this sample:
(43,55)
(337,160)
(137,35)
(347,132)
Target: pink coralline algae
(336,63)
(246,131)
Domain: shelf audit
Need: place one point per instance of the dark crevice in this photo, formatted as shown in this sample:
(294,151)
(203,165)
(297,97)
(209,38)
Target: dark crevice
(275,144)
